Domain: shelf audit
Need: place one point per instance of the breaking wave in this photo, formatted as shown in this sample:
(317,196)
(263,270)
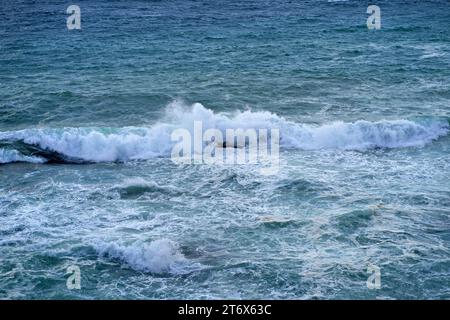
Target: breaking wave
(10,156)
(159,256)
(134,188)
(79,145)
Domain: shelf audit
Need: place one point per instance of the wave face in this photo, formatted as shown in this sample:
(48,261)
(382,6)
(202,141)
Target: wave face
(141,143)
(363,135)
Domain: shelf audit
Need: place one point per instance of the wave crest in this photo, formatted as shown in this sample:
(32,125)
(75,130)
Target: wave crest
(141,143)
(159,256)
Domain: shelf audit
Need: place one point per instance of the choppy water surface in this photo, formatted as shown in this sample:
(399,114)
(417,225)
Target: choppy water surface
(86,177)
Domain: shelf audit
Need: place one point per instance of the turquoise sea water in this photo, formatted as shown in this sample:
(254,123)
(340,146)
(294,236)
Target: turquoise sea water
(86,177)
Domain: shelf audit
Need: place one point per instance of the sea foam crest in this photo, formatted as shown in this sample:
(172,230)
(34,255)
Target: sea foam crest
(140,143)
(159,256)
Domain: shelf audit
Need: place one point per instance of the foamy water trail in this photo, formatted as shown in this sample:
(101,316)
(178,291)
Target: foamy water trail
(141,143)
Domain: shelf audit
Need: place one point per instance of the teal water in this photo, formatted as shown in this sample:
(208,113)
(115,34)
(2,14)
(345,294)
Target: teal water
(365,166)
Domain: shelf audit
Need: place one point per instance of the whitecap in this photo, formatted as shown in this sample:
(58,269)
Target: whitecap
(141,143)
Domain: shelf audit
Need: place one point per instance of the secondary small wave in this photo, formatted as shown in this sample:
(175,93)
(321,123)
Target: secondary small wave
(80,145)
(135,188)
(160,256)
(11,156)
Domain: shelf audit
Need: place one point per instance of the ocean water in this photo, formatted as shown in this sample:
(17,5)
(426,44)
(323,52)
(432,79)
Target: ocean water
(86,177)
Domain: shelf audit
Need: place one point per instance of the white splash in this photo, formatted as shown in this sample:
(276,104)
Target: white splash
(159,256)
(140,143)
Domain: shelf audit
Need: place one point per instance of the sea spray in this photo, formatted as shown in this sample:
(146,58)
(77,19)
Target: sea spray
(142,143)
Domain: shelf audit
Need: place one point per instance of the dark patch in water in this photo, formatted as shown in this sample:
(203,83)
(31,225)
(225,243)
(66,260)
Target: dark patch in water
(299,187)
(136,191)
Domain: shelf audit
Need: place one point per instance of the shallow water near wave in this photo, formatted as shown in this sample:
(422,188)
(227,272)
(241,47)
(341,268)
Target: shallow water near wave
(86,177)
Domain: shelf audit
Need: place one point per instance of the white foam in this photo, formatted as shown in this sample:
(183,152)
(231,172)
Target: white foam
(9,156)
(159,256)
(363,135)
(137,182)
(140,143)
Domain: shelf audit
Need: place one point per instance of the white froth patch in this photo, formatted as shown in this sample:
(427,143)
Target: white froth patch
(137,182)
(159,256)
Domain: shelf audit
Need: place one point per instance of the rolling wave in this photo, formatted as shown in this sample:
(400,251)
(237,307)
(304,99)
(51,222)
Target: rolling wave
(160,257)
(92,145)
(9,156)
